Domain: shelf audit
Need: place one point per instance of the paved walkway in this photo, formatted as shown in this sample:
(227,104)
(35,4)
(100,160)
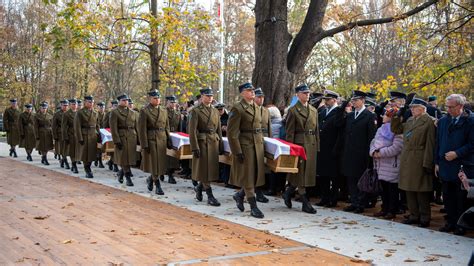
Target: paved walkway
(360,237)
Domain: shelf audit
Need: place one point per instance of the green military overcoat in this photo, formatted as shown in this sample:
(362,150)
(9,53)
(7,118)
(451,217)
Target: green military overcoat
(86,129)
(27,131)
(302,129)
(153,132)
(244,132)
(174,120)
(43,131)
(10,124)
(57,135)
(123,126)
(416,159)
(266,123)
(67,128)
(205,135)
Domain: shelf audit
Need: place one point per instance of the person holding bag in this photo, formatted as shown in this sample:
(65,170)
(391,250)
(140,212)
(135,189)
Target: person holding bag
(386,148)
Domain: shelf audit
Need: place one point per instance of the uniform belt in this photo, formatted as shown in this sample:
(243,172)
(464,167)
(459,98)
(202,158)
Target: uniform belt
(126,127)
(307,132)
(255,130)
(156,128)
(209,130)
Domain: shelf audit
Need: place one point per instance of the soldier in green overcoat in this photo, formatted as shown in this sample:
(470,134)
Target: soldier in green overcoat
(43,132)
(302,129)
(205,137)
(67,128)
(57,132)
(245,135)
(100,117)
(86,132)
(174,120)
(416,160)
(123,126)
(27,131)
(267,132)
(11,116)
(153,132)
(106,124)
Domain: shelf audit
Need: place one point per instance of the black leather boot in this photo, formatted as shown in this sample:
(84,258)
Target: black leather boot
(74,168)
(239,200)
(162,177)
(254,210)
(307,205)
(260,196)
(96,163)
(42,159)
(29,158)
(55,156)
(101,165)
(211,200)
(149,183)
(128,178)
(158,190)
(61,163)
(66,164)
(14,154)
(110,164)
(171,179)
(198,190)
(287,195)
(45,160)
(120,175)
(115,168)
(88,170)
(11,152)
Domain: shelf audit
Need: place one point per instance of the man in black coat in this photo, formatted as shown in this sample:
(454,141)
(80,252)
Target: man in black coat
(359,130)
(327,158)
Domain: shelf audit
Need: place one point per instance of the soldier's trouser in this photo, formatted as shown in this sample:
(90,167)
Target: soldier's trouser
(29,151)
(419,205)
(126,168)
(249,192)
(206,185)
(301,190)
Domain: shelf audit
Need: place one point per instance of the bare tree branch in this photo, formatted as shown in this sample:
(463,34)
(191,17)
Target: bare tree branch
(114,47)
(368,22)
(444,73)
(451,31)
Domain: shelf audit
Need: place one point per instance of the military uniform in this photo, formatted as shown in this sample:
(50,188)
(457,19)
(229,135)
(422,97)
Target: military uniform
(245,137)
(100,118)
(302,129)
(43,133)
(67,128)
(123,125)
(57,135)
(416,164)
(174,120)
(205,137)
(86,132)
(106,124)
(153,132)
(11,117)
(27,132)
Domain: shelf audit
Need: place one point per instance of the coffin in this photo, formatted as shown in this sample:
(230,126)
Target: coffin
(181,147)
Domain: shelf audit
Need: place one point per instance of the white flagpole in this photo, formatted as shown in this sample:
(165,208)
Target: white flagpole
(221,71)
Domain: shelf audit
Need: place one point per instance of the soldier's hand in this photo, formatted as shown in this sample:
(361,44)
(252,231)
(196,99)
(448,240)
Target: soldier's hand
(169,145)
(196,153)
(240,157)
(119,146)
(81,142)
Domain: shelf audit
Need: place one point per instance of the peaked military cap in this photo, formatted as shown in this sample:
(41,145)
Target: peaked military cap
(330,94)
(432,98)
(246,86)
(72,101)
(123,97)
(79,102)
(88,98)
(154,93)
(44,104)
(64,102)
(418,101)
(371,95)
(302,88)
(171,98)
(358,94)
(101,104)
(370,102)
(259,92)
(114,102)
(28,106)
(206,91)
(397,95)
(14,100)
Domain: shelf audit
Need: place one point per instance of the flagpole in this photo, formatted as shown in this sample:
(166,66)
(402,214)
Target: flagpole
(221,70)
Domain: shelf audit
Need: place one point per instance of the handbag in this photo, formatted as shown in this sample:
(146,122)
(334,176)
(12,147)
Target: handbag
(369,181)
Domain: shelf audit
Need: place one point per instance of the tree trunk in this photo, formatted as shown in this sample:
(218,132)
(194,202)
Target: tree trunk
(271,47)
(154,55)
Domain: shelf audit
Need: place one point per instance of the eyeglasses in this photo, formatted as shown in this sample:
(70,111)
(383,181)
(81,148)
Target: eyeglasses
(452,106)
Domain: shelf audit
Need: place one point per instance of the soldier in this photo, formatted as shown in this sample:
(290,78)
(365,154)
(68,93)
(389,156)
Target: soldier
(100,118)
(67,128)
(246,143)
(106,124)
(123,125)
(79,105)
(86,132)
(154,138)
(302,129)
(27,131)
(43,132)
(174,120)
(267,132)
(57,136)
(10,123)
(205,137)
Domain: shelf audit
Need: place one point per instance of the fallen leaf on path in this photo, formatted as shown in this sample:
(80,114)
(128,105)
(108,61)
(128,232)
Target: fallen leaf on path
(388,254)
(430,258)
(41,217)
(370,250)
(16,238)
(350,222)
(410,260)
(441,255)
(336,248)
(68,241)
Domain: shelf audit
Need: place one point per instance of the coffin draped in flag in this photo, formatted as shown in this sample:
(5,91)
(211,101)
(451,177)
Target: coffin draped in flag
(275,147)
(179,139)
(105,135)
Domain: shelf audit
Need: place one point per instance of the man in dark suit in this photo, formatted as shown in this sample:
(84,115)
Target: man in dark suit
(327,159)
(359,130)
